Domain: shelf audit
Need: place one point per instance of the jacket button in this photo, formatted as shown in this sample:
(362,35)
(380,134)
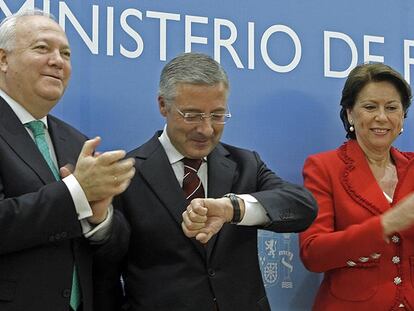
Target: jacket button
(66,293)
(395,239)
(350,263)
(396,260)
(211,272)
(397,280)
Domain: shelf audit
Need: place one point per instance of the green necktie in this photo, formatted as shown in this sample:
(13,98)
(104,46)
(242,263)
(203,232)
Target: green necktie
(38,129)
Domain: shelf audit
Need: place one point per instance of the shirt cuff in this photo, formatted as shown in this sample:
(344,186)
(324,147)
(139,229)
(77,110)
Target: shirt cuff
(101,232)
(83,209)
(254,212)
(94,233)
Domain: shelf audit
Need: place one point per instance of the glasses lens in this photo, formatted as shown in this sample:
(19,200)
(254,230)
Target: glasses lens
(196,117)
(192,117)
(219,118)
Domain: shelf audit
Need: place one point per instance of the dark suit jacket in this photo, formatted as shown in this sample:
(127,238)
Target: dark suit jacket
(165,270)
(40,235)
(346,240)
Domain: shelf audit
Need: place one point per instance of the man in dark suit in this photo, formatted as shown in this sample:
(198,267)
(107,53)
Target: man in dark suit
(165,268)
(47,218)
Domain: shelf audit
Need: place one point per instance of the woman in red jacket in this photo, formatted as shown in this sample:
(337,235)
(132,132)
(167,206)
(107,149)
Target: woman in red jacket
(363,237)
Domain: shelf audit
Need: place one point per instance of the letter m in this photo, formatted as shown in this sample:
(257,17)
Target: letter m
(28,5)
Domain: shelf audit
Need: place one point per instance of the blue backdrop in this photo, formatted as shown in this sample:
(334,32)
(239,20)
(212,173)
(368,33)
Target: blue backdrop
(286,61)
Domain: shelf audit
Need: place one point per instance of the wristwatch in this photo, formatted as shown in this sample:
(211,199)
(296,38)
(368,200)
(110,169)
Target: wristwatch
(236,207)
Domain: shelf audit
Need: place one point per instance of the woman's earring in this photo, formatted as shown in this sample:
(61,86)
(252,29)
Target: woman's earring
(402,130)
(351,128)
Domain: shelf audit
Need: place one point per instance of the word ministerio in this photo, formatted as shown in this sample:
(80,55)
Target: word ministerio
(220,43)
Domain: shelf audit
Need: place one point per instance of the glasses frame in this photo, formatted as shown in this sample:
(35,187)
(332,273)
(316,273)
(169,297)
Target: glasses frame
(200,116)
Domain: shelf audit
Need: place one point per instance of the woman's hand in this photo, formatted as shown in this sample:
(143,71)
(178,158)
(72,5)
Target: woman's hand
(400,217)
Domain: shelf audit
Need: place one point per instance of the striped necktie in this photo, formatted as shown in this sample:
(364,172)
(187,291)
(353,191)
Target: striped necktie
(192,186)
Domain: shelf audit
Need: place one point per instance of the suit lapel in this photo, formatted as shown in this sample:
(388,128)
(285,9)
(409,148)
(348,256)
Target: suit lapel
(405,165)
(157,171)
(64,150)
(358,180)
(221,172)
(16,136)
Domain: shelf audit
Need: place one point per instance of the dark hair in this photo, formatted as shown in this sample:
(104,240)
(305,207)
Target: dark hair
(360,76)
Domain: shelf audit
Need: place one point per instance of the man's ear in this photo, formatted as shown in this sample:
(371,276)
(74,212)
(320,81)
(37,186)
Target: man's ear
(3,60)
(162,106)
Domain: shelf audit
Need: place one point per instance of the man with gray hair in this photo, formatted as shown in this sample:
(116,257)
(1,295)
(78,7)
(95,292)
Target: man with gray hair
(189,236)
(48,215)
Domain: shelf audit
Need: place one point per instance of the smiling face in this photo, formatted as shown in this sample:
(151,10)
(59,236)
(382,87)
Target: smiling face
(37,70)
(377,116)
(195,140)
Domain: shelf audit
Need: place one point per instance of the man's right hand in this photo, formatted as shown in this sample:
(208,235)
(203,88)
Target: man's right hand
(104,175)
(205,217)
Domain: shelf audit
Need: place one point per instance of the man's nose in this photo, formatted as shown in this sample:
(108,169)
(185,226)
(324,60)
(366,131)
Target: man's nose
(56,59)
(206,126)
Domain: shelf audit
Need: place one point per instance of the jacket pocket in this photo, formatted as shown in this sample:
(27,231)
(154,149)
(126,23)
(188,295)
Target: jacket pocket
(357,283)
(7,290)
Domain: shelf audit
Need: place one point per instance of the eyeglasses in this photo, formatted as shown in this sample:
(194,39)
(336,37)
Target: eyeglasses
(198,117)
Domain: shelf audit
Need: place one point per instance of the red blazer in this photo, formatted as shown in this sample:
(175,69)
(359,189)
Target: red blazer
(362,271)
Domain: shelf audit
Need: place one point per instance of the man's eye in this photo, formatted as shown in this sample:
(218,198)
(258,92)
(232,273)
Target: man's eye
(41,47)
(191,116)
(218,117)
(66,54)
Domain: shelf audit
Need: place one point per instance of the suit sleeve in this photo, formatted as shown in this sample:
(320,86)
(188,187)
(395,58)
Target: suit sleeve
(109,260)
(37,218)
(322,247)
(290,207)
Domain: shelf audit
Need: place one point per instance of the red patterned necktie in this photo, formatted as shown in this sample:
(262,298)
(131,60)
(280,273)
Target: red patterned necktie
(192,185)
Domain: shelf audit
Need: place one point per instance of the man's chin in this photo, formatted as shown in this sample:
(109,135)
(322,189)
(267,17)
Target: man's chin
(198,153)
(52,94)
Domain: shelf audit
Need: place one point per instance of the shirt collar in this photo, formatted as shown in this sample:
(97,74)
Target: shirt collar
(23,115)
(173,154)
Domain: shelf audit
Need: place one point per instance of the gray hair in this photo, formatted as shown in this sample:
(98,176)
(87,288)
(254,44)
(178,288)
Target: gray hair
(8,27)
(190,68)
